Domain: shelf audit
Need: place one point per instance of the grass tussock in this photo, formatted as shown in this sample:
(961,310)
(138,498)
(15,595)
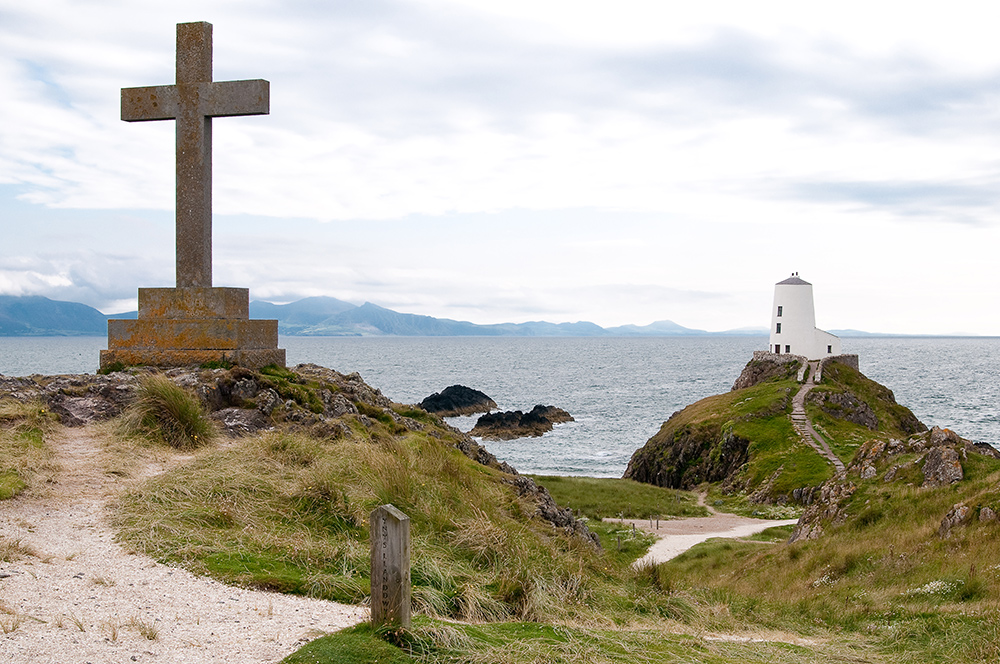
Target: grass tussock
(26,458)
(166,412)
(14,549)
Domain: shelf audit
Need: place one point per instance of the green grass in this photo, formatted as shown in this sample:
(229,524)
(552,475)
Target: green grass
(622,544)
(290,385)
(599,498)
(26,459)
(520,642)
(776,447)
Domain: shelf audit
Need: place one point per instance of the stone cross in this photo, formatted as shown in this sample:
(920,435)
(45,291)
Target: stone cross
(390,551)
(193,101)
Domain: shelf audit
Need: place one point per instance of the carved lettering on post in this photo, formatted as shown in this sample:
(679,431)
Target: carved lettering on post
(390,556)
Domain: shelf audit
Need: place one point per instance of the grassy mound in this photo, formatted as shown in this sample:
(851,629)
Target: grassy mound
(288,511)
(742,437)
(744,440)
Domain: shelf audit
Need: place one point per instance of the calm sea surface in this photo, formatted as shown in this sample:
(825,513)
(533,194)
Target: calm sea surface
(619,390)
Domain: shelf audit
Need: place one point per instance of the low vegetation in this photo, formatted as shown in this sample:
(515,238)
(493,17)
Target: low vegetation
(168,413)
(886,571)
(601,498)
(25,456)
(287,510)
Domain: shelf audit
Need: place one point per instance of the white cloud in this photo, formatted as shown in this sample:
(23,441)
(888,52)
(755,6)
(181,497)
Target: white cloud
(499,161)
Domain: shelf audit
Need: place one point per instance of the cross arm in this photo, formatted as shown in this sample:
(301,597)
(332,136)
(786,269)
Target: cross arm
(229,98)
(158,102)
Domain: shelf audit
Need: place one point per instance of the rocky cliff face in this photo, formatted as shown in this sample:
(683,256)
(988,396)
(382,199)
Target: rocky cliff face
(688,458)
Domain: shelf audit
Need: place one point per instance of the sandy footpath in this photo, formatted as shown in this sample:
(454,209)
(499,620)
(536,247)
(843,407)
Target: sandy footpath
(678,535)
(79,597)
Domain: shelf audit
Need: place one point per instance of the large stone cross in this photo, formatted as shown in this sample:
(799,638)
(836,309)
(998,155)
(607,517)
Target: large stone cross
(193,101)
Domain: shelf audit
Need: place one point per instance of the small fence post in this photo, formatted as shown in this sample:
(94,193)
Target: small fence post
(390,562)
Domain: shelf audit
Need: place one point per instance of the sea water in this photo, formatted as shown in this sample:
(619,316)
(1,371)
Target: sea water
(619,390)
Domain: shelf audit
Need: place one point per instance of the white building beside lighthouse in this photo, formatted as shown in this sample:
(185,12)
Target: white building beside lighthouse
(793,322)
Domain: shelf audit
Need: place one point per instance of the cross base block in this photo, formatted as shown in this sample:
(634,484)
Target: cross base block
(185,326)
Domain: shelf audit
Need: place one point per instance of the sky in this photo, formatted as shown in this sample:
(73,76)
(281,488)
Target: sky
(507,161)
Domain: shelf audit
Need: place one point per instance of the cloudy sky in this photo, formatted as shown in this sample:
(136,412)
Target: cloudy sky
(504,161)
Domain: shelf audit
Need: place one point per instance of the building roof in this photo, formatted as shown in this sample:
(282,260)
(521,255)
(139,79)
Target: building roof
(794,281)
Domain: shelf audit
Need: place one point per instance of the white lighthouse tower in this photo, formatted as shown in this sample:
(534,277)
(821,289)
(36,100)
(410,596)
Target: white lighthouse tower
(793,322)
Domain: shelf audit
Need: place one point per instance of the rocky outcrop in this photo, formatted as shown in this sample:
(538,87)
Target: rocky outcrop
(516,424)
(957,515)
(75,399)
(694,455)
(547,509)
(846,406)
(941,452)
(458,400)
(942,466)
(767,366)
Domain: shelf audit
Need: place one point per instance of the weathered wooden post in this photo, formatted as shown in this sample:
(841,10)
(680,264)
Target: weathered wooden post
(390,549)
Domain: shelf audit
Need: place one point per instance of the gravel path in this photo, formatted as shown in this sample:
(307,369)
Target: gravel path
(79,597)
(675,536)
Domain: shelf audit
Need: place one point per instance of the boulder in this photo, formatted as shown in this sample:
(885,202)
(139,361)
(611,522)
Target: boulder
(942,466)
(956,515)
(237,422)
(458,400)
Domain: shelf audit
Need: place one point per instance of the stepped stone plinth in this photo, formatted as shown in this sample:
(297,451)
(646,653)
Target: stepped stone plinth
(194,323)
(184,326)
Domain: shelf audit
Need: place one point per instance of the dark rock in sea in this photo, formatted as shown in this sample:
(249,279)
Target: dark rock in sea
(458,400)
(516,424)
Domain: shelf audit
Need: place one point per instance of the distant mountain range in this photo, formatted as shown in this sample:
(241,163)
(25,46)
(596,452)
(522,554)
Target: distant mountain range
(39,316)
(328,316)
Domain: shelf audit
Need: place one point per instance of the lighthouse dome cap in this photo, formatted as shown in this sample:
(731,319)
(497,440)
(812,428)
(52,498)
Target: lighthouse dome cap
(794,281)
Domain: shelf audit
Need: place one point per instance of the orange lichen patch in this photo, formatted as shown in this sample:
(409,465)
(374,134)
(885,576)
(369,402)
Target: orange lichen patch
(194,303)
(251,359)
(192,334)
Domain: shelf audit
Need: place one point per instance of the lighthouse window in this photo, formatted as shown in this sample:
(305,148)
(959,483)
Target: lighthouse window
(779,310)
(778,330)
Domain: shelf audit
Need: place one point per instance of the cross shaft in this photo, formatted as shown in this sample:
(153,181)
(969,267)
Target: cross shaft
(193,101)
